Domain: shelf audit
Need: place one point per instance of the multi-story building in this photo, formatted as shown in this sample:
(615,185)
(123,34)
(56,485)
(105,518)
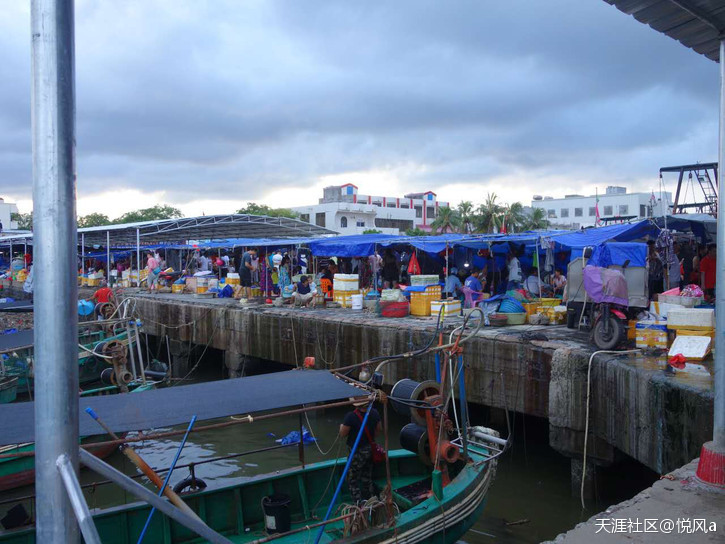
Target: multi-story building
(615,204)
(342,209)
(7,209)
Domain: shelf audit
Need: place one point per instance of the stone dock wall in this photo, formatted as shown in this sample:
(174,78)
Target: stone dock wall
(635,408)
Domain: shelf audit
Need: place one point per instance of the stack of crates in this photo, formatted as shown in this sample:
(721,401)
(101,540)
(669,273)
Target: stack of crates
(343,287)
(420,302)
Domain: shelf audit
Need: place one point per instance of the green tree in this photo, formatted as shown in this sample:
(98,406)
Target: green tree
(416,232)
(446,222)
(489,214)
(24,220)
(160,211)
(372,231)
(514,217)
(465,213)
(93,220)
(537,220)
(262,209)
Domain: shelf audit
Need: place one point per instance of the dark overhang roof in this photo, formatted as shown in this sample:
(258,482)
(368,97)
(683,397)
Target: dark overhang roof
(208,227)
(697,24)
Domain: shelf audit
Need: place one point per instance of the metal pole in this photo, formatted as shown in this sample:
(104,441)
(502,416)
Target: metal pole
(136,489)
(80,507)
(138,258)
(56,350)
(83,253)
(108,257)
(719,357)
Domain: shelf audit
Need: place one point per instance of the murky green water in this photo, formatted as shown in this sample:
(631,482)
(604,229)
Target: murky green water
(530,499)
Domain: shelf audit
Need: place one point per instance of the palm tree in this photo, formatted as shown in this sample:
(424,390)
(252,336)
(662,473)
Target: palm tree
(537,220)
(446,222)
(465,213)
(489,216)
(514,216)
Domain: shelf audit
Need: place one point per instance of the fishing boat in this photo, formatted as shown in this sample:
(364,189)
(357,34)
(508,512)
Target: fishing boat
(19,471)
(8,388)
(431,489)
(94,350)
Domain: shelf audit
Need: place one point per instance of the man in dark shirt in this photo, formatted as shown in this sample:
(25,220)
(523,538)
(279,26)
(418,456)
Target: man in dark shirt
(360,473)
(302,293)
(245,272)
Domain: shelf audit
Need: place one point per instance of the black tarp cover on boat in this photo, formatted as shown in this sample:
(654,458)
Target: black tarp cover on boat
(16,340)
(176,405)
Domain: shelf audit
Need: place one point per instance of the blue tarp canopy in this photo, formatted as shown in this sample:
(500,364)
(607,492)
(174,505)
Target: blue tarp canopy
(702,225)
(356,245)
(577,241)
(253,242)
(616,253)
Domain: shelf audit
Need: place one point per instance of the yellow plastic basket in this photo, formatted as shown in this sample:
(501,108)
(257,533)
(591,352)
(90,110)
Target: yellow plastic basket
(420,301)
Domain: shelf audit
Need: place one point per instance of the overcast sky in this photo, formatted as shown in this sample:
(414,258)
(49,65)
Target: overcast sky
(206,105)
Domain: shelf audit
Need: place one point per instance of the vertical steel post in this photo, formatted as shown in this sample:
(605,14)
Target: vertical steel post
(138,258)
(108,257)
(54,206)
(83,253)
(719,358)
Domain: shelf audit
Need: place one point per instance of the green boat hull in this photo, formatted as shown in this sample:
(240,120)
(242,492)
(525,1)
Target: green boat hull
(20,471)
(234,510)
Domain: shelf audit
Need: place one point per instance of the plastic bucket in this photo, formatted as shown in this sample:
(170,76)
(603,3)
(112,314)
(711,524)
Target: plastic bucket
(357,302)
(277,516)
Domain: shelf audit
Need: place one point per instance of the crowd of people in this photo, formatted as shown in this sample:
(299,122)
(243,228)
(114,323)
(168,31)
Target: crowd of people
(687,263)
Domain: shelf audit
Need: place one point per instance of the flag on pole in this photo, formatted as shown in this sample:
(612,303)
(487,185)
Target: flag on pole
(598,219)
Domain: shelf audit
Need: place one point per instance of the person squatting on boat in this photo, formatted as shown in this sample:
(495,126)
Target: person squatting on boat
(360,474)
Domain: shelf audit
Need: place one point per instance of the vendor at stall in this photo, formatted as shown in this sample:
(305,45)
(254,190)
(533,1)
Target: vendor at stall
(473,282)
(533,284)
(452,287)
(391,270)
(708,271)
(558,282)
(303,294)
(514,272)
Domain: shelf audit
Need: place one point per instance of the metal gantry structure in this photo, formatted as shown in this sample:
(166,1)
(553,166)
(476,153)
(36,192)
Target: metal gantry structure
(697,174)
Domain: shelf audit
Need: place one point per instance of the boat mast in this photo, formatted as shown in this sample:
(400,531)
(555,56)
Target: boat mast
(56,293)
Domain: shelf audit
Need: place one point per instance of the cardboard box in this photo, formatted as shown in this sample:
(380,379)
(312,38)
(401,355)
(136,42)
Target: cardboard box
(651,334)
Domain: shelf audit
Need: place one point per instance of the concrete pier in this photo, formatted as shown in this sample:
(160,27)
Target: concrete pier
(677,508)
(637,407)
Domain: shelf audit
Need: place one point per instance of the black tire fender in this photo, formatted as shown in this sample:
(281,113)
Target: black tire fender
(189,485)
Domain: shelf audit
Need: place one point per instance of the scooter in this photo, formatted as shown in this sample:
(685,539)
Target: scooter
(610,306)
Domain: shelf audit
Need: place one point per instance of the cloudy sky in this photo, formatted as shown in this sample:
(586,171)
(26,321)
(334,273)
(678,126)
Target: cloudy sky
(207,105)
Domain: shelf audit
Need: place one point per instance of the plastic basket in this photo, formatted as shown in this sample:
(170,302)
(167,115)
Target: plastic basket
(420,301)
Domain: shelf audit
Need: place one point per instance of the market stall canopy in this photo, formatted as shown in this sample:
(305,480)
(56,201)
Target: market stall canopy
(356,245)
(697,24)
(702,225)
(577,241)
(617,253)
(176,405)
(208,227)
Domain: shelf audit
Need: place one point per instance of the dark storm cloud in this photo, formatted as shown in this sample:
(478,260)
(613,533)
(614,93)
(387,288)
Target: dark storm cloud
(210,97)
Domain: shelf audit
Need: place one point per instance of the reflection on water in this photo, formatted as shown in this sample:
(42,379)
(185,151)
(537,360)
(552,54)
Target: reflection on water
(529,501)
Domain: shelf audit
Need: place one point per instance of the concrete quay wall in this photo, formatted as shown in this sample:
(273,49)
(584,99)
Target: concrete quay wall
(636,408)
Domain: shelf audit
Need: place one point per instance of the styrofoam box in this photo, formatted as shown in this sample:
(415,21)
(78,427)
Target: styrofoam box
(692,347)
(687,302)
(346,282)
(663,308)
(651,333)
(451,307)
(424,279)
(688,318)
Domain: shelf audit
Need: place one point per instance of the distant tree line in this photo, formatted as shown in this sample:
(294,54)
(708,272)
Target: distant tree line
(154,213)
(489,216)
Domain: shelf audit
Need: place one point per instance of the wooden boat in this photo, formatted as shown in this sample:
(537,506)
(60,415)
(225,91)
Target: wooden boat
(18,359)
(433,489)
(20,471)
(8,388)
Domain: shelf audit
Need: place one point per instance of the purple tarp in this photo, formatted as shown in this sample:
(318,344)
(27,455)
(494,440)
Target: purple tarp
(605,285)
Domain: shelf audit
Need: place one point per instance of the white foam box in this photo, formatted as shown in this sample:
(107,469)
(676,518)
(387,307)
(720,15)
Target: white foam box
(450,307)
(424,279)
(693,348)
(691,318)
(346,282)
(651,334)
(663,308)
(687,302)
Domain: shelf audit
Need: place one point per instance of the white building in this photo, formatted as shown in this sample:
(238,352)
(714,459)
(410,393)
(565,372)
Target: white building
(343,210)
(615,204)
(6,211)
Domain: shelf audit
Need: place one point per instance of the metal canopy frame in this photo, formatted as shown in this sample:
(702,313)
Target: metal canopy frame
(206,227)
(707,183)
(697,24)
